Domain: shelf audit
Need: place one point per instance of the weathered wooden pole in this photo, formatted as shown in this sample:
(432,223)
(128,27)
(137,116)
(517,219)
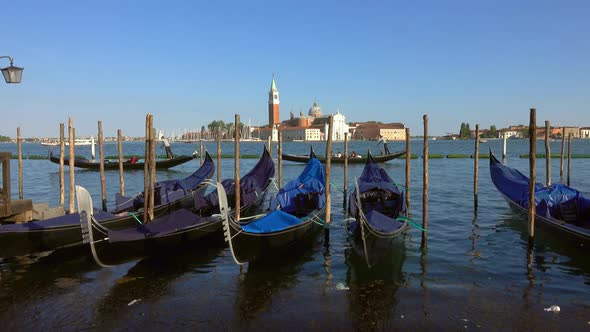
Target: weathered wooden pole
(328,168)
(569,157)
(103,185)
(547,154)
(146,170)
(408,158)
(72,133)
(153,144)
(218,155)
(345,184)
(120,152)
(562,154)
(237,167)
(476,167)
(19,143)
(533,171)
(425,185)
(504,148)
(62,145)
(270,143)
(280,159)
(200,151)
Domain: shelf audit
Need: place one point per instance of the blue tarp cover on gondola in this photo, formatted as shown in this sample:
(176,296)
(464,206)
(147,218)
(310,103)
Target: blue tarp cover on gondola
(273,222)
(310,181)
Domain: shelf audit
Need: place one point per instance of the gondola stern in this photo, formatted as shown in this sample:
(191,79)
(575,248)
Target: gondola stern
(86,212)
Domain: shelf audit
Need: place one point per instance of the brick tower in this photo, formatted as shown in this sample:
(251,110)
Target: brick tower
(273,104)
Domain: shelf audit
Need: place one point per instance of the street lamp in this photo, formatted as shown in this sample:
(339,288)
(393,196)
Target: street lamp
(12,74)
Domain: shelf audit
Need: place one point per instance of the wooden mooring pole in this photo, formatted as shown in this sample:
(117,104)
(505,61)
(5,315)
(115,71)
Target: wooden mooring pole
(547,154)
(280,160)
(476,167)
(569,157)
(103,185)
(345,183)
(200,151)
(533,171)
(146,169)
(562,154)
(408,158)
(72,134)
(62,145)
(237,167)
(19,143)
(152,167)
(270,143)
(425,185)
(120,152)
(329,168)
(218,155)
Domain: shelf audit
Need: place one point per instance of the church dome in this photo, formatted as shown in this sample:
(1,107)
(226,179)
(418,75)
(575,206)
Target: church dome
(315,110)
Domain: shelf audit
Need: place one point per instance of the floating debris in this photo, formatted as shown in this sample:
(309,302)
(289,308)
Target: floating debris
(133,302)
(553,308)
(341,286)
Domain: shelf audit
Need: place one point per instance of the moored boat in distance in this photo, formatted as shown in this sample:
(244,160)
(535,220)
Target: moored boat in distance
(340,160)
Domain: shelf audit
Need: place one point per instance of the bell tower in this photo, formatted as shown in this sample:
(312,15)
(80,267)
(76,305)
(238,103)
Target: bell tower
(273,104)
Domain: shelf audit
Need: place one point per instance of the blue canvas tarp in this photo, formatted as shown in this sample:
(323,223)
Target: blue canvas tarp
(311,181)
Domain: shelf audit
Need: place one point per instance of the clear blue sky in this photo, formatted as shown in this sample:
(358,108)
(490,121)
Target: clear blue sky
(191,62)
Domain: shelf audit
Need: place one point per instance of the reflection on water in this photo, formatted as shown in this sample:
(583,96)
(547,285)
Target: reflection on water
(260,285)
(372,290)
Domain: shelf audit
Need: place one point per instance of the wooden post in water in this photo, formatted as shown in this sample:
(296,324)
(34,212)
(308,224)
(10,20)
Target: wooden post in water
(280,159)
(200,151)
(476,167)
(345,184)
(237,167)
(504,148)
(547,154)
(19,143)
(146,170)
(270,143)
(562,154)
(533,171)
(152,166)
(218,155)
(425,185)
(328,168)
(408,158)
(569,157)
(62,145)
(120,152)
(103,185)
(72,133)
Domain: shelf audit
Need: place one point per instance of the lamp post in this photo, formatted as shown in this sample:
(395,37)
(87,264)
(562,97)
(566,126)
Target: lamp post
(12,74)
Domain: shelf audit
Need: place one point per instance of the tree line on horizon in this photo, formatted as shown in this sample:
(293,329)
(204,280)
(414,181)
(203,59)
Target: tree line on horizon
(465,132)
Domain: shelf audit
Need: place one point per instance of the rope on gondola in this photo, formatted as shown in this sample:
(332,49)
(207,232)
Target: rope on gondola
(135,217)
(411,222)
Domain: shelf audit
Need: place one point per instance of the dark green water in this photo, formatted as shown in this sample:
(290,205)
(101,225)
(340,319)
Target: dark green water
(477,273)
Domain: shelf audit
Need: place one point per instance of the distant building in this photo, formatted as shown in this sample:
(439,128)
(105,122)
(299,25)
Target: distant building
(301,134)
(585,132)
(373,130)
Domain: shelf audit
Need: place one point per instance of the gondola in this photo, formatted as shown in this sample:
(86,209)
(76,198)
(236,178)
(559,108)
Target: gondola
(295,215)
(199,218)
(169,191)
(378,211)
(170,230)
(335,160)
(127,165)
(64,231)
(557,205)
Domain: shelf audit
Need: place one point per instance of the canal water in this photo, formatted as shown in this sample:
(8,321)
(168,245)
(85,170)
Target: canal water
(477,273)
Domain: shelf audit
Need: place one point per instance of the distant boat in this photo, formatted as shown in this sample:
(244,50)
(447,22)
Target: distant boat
(77,142)
(336,160)
(127,165)
(483,140)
